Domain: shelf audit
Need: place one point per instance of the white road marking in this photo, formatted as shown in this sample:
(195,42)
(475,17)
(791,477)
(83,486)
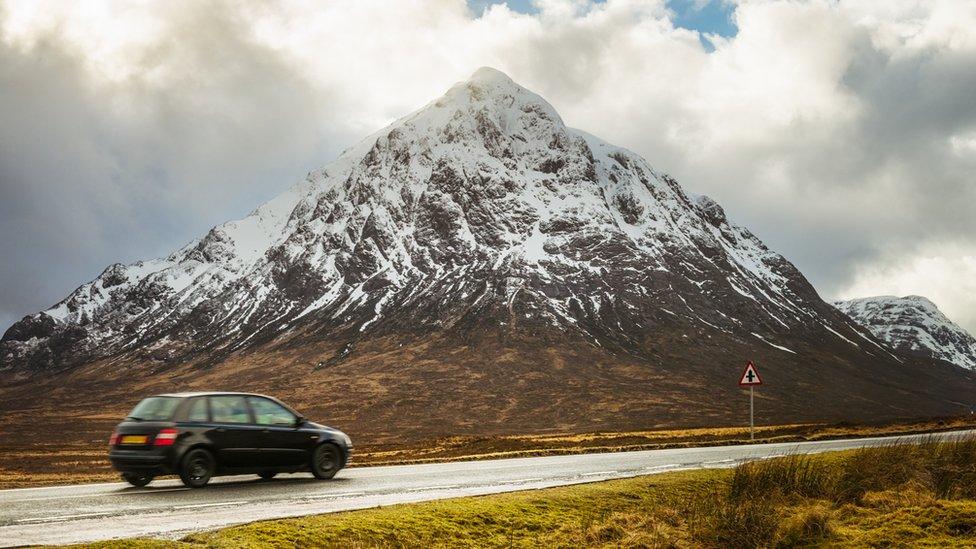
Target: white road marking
(75,496)
(107,494)
(336,495)
(150,492)
(488,465)
(596,473)
(440,487)
(662,467)
(217,504)
(57,518)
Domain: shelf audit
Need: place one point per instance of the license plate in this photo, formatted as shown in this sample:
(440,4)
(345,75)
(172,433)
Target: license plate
(134,439)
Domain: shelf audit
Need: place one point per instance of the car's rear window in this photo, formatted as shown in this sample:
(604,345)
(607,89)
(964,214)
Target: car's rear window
(155,409)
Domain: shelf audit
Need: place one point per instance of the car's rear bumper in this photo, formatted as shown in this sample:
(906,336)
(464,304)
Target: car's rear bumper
(130,461)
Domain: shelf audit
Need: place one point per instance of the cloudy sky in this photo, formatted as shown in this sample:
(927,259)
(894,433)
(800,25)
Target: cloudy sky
(842,133)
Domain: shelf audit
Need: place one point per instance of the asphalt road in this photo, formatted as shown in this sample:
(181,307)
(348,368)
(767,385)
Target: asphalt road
(82,513)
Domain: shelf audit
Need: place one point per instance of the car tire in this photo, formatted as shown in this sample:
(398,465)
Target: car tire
(267,475)
(137,479)
(196,468)
(326,461)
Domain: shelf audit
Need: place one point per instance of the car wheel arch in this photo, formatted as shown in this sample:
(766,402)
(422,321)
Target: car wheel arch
(343,454)
(205,445)
(326,440)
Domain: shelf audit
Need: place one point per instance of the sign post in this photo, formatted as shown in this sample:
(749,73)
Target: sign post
(750,378)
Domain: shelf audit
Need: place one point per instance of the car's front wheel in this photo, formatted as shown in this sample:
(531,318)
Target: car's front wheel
(196,467)
(137,479)
(326,461)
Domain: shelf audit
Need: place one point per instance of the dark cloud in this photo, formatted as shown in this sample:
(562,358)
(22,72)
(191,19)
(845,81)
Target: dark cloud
(93,173)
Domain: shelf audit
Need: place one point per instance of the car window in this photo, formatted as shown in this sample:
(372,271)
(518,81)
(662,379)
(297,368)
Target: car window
(198,411)
(269,412)
(229,409)
(154,409)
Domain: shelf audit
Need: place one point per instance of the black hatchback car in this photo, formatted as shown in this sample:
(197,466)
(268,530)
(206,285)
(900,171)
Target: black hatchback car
(201,435)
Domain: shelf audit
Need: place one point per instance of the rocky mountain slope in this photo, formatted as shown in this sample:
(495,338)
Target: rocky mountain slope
(478,265)
(913,324)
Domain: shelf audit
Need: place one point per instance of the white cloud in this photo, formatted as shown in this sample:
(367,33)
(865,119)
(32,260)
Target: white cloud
(964,145)
(946,274)
(840,131)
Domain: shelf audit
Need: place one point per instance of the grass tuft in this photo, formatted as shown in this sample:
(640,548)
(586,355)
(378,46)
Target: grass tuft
(796,475)
(876,468)
(806,525)
(952,469)
(946,467)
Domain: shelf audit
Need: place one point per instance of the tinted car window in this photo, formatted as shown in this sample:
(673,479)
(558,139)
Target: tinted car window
(268,412)
(229,409)
(155,409)
(198,410)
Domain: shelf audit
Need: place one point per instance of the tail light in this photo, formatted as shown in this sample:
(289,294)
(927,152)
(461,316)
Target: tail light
(114,439)
(165,437)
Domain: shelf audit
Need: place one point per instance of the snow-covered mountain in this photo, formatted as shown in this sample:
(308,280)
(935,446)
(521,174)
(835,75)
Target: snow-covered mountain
(481,198)
(915,325)
(479,263)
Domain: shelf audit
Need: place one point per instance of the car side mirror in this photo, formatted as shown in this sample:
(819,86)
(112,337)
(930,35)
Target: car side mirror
(299,420)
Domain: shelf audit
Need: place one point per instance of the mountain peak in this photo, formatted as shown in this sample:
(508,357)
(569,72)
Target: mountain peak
(490,93)
(922,300)
(490,75)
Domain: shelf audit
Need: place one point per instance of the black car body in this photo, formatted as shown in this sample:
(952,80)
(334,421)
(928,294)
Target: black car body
(199,435)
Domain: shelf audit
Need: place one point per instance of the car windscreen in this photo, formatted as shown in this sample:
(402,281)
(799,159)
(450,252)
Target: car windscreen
(154,409)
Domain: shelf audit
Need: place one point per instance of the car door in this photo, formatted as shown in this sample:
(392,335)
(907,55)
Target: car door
(233,433)
(283,443)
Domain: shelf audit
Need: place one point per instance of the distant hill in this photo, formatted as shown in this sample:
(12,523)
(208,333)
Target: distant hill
(913,325)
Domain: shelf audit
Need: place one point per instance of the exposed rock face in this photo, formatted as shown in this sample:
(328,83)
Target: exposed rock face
(913,324)
(481,231)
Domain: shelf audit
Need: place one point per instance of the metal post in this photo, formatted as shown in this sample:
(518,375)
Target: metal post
(752,424)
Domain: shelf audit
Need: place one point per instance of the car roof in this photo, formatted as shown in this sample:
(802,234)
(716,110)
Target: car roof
(209,393)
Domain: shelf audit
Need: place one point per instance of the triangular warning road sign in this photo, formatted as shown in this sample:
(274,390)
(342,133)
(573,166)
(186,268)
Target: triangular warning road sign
(750,376)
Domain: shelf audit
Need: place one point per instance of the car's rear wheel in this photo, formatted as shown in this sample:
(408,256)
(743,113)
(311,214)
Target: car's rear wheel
(196,468)
(137,479)
(326,461)
(267,475)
